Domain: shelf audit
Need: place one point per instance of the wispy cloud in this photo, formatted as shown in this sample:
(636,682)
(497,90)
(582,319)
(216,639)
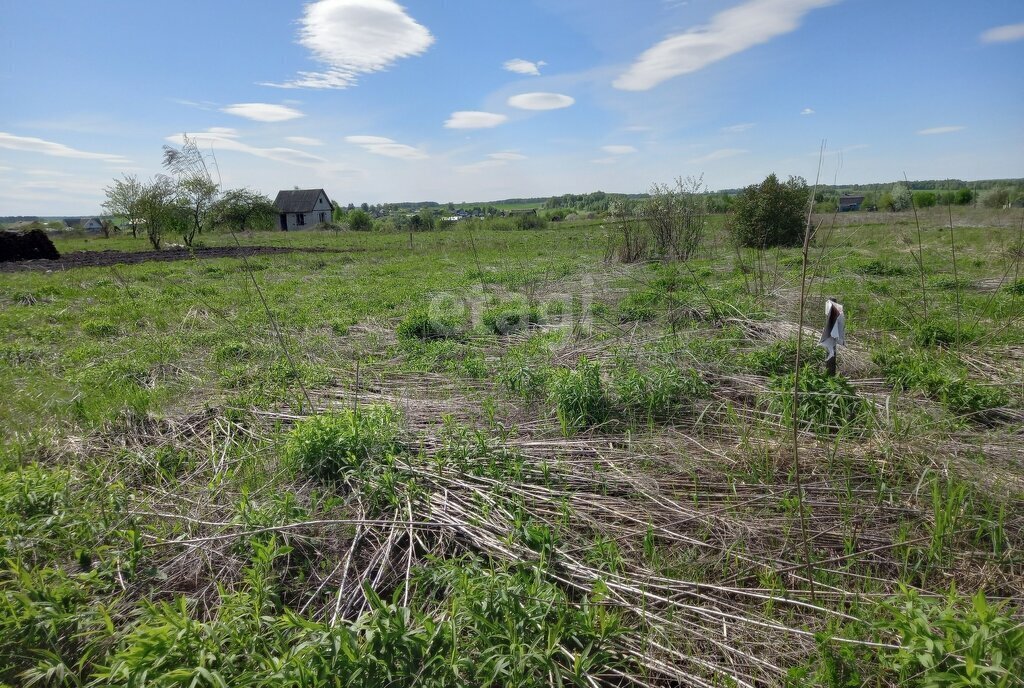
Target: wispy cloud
(32,144)
(474,119)
(380,145)
(1003,34)
(730,31)
(939,130)
(225,139)
(541,101)
(353,37)
(616,149)
(720,154)
(806,112)
(303,141)
(507,155)
(520,66)
(499,159)
(738,128)
(199,105)
(263,112)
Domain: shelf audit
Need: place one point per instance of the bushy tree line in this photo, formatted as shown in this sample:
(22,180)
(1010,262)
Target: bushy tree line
(186,201)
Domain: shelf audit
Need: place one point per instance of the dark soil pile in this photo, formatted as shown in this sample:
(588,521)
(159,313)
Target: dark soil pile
(30,245)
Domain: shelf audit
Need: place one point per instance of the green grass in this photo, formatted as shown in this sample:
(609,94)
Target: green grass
(553,470)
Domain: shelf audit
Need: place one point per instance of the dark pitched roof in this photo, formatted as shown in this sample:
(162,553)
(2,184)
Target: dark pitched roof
(298,200)
(851,198)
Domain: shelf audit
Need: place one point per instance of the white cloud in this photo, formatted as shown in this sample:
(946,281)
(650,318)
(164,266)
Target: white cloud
(738,128)
(218,139)
(263,112)
(474,119)
(353,37)
(541,101)
(807,111)
(520,66)
(730,31)
(507,155)
(720,154)
(58,150)
(619,149)
(380,145)
(499,159)
(223,131)
(1004,34)
(939,130)
(303,141)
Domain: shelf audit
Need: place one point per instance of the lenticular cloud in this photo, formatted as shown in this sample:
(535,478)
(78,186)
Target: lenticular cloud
(353,37)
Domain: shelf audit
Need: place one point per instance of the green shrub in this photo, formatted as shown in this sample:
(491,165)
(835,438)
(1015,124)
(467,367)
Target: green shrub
(99,328)
(428,326)
(579,396)
(827,404)
(945,647)
(657,392)
(1016,288)
(510,316)
(523,376)
(639,306)
(935,333)
(939,376)
(771,213)
(779,358)
(333,447)
(359,221)
(530,221)
(878,267)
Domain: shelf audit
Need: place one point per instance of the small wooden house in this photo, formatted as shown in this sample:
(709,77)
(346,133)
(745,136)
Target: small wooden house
(302,208)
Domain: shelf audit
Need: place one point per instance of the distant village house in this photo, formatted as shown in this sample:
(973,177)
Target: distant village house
(849,203)
(302,208)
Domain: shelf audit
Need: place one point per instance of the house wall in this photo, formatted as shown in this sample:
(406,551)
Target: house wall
(312,218)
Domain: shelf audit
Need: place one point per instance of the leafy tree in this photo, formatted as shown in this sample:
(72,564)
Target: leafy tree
(964,196)
(161,210)
(772,213)
(359,221)
(996,198)
(427,219)
(123,197)
(194,188)
(898,199)
(925,199)
(244,209)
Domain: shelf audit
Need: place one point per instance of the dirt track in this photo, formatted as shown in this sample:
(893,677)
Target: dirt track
(94,259)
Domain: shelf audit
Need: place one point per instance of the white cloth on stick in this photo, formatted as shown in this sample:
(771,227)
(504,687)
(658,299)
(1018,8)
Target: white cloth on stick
(835,328)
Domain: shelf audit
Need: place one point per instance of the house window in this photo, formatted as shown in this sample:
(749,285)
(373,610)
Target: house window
(300,219)
(322,217)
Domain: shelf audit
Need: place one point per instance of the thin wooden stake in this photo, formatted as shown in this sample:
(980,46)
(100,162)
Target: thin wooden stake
(796,385)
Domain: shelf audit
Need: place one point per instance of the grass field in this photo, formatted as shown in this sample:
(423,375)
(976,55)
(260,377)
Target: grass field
(494,458)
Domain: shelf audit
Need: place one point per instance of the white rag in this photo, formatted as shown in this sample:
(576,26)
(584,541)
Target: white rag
(835,328)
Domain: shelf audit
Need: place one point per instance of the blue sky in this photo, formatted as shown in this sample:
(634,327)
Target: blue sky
(466,100)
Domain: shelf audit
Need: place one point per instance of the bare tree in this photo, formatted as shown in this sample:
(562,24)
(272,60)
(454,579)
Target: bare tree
(677,217)
(123,197)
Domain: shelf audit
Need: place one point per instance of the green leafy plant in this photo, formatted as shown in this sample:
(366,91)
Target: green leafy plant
(510,316)
(427,326)
(947,646)
(827,404)
(332,447)
(579,396)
